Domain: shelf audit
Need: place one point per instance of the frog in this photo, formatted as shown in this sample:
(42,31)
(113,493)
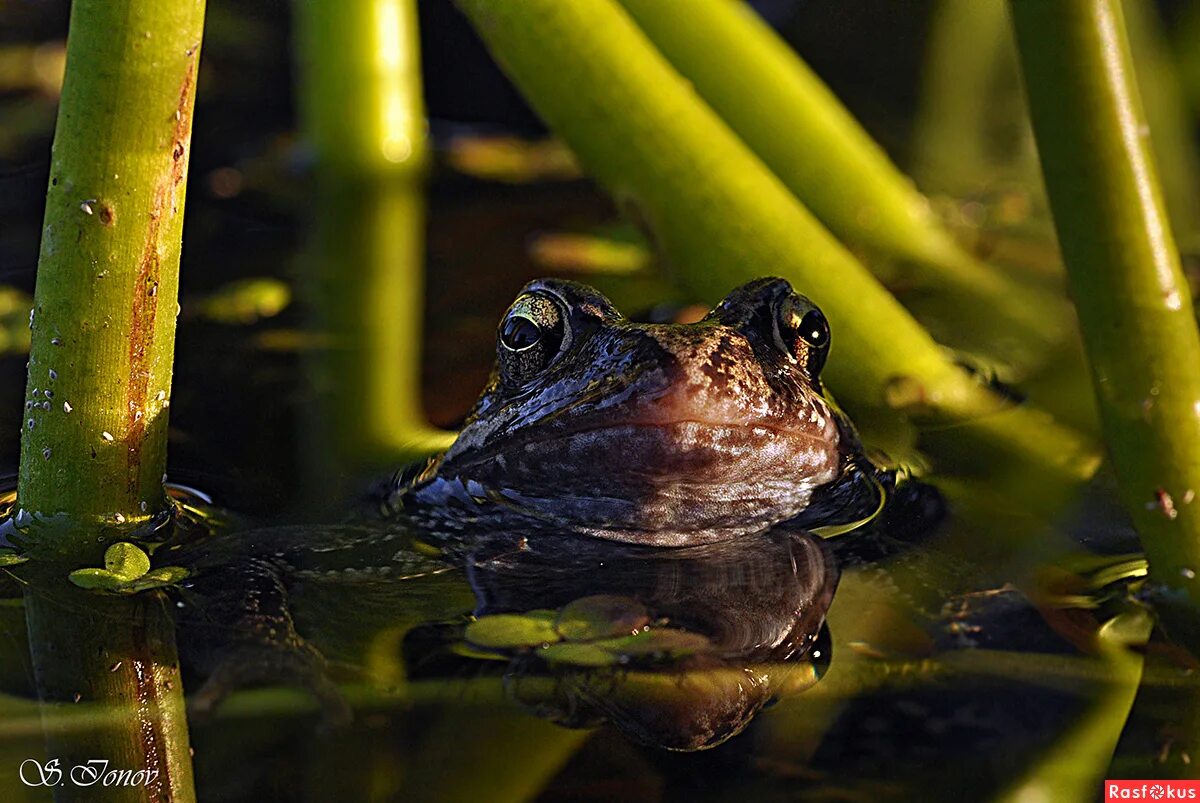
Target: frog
(666,435)
(595,434)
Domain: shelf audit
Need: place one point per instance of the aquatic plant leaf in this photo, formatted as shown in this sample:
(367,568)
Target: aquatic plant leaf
(601,616)
(157,578)
(10,557)
(510,631)
(97,579)
(247,301)
(126,561)
(659,641)
(511,160)
(467,651)
(584,253)
(14,320)
(579,653)
(105,580)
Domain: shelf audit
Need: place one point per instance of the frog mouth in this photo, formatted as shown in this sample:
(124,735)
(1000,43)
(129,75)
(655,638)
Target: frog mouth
(654,480)
(701,451)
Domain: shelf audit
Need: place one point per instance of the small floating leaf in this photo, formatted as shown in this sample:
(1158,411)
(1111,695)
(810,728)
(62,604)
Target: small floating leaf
(660,641)
(246,301)
(601,616)
(126,561)
(104,580)
(579,653)
(10,557)
(157,578)
(511,160)
(588,254)
(99,579)
(467,651)
(510,630)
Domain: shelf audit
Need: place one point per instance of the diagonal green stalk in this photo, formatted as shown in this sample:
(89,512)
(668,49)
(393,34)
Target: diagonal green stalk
(968,46)
(776,104)
(721,217)
(1079,759)
(1133,302)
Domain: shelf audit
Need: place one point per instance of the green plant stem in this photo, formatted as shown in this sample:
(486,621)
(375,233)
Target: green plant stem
(797,126)
(361,86)
(364,117)
(119,653)
(366,271)
(95,435)
(1078,760)
(93,450)
(952,149)
(722,218)
(1133,302)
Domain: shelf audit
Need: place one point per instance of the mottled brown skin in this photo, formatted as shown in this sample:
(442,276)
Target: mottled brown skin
(659,434)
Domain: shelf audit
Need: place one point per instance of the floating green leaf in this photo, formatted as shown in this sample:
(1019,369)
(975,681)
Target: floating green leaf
(126,561)
(662,641)
(10,557)
(98,579)
(601,616)
(247,301)
(127,571)
(467,651)
(157,578)
(578,653)
(510,630)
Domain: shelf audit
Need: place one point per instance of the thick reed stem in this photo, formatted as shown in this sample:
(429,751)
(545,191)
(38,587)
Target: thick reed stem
(95,437)
(365,119)
(93,451)
(803,133)
(1133,302)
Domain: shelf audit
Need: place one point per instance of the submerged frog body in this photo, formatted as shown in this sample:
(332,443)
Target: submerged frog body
(657,434)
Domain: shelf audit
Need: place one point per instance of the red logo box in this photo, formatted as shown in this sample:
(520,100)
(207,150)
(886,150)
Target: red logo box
(1151,790)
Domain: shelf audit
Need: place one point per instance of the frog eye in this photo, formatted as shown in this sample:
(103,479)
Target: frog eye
(814,329)
(802,332)
(532,333)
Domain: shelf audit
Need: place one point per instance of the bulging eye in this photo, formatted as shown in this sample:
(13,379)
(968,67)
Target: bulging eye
(814,329)
(518,333)
(803,333)
(532,333)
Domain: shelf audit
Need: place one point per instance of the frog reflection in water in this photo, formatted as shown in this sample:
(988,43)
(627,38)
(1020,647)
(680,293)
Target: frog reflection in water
(597,442)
